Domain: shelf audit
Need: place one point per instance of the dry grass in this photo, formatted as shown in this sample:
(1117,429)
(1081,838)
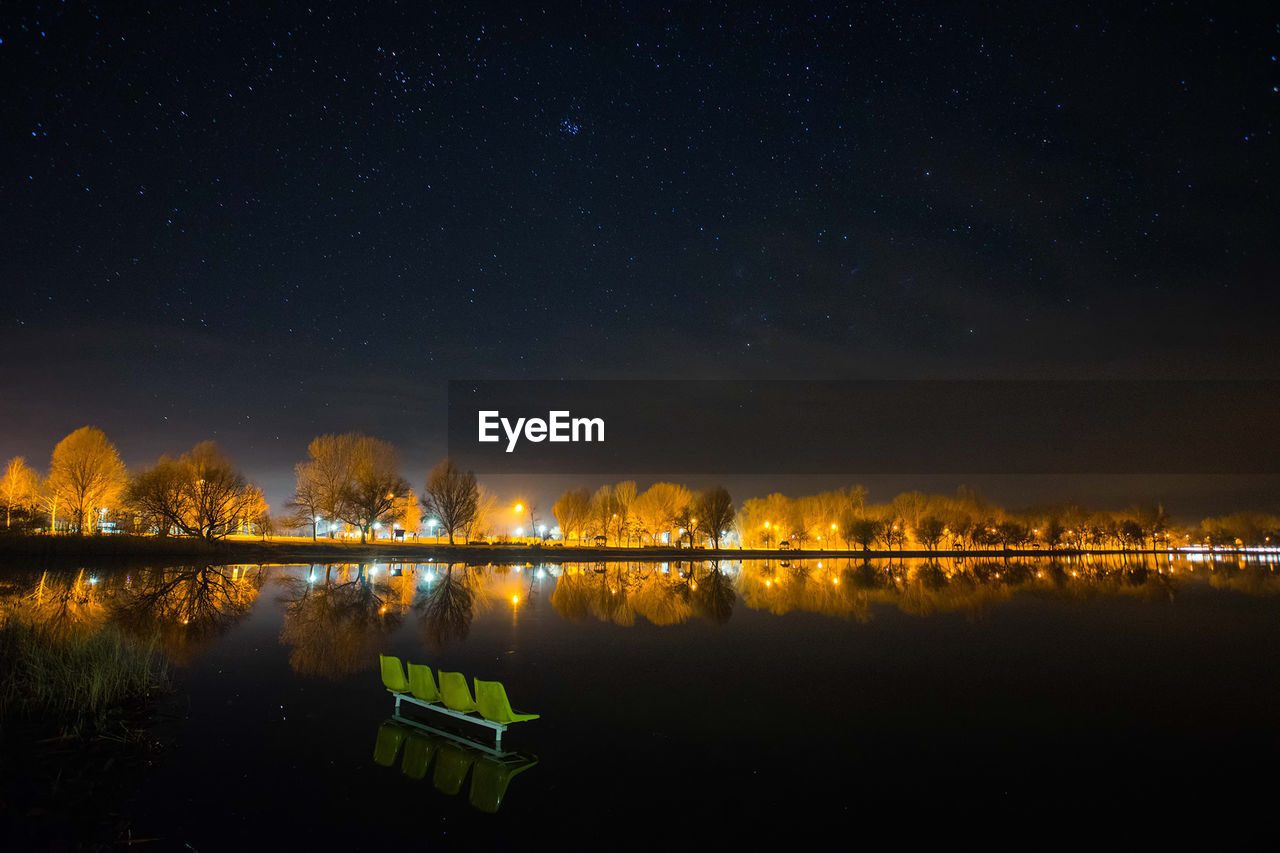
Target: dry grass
(73,682)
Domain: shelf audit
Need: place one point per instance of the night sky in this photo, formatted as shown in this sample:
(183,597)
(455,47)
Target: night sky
(258,226)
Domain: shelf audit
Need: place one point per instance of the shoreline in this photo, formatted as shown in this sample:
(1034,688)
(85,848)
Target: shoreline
(291,550)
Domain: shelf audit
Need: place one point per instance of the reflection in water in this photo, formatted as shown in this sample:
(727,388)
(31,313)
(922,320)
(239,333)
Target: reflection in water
(447,605)
(449,759)
(186,605)
(713,596)
(62,603)
(181,605)
(661,593)
(337,617)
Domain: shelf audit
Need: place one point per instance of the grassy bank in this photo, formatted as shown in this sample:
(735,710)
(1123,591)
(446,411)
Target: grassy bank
(304,549)
(107,546)
(74,683)
(75,711)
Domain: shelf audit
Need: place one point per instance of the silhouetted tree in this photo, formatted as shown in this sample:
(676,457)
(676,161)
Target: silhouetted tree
(452,497)
(199,494)
(714,509)
(929,531)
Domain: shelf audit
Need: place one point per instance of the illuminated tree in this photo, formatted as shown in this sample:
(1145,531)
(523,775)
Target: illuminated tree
(571,512)
(408,513)
(623,498)
(486,516)
(199,494)
(452,497)
(803,515)
(19,489)
(308,497)
(374,486)
(657,507)
(325,478)
(255,514)
(85,474)
(602,510)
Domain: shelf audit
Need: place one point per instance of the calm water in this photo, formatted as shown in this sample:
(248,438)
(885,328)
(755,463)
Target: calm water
(691,703)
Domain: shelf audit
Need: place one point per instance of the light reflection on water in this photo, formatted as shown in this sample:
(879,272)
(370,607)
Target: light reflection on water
(337,617)
(759,681)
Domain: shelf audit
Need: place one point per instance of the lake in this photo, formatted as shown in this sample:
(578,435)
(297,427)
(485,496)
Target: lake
(833,701)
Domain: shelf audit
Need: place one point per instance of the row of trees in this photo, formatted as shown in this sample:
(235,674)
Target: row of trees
(351,478)
(664,511)
(87,488)
(844,518)
(355,480)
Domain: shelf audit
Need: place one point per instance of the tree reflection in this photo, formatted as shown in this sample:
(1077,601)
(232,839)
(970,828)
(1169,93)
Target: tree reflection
(572,597)
(337,621)
(663,598)
(186,605)
(62,603)
(446,608)
(712,595)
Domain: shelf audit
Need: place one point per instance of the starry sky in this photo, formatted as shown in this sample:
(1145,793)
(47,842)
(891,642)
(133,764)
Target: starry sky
(260,224)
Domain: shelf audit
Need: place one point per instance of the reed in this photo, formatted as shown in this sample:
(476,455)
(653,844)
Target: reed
(74,681)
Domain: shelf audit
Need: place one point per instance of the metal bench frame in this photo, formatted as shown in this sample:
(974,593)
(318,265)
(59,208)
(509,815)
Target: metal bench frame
(498,728)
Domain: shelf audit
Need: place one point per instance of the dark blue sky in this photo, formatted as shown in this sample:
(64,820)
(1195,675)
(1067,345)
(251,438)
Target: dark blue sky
(256,226)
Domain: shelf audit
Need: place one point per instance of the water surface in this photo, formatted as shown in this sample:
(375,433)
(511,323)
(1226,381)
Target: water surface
(684,703)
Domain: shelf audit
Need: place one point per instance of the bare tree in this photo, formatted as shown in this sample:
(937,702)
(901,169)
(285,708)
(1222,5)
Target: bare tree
(624,497)
(864,531)
(375,484)
(928,531)
(85,474)
(715,513)
(571,512)
(602,510)
(328,473)
(657,507)
(486,516)
(200,494)
(451,497)
(308,497)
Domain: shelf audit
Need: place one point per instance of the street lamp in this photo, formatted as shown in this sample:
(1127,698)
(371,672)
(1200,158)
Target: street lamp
(519,511)
(435,531)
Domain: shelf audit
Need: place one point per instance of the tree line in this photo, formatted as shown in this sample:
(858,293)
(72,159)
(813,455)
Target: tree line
(353,483)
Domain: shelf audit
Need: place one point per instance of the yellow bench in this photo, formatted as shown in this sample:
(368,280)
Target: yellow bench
(452,697)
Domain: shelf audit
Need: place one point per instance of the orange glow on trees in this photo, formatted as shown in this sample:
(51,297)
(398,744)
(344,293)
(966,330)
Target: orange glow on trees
(85,475)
